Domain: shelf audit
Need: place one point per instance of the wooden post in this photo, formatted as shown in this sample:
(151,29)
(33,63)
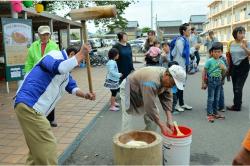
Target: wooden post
(68,35)
(81,35)
(85,38)
(59,40)
(51,26)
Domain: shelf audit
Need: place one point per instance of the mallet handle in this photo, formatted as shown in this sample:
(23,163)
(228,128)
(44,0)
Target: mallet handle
(85,38)
(97,12)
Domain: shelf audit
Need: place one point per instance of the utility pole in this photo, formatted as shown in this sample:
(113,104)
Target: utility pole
(151,14)
(156,27)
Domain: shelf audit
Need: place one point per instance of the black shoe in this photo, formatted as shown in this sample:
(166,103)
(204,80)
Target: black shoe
(232,108)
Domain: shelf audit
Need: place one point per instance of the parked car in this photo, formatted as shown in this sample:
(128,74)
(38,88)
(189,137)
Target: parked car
(114,42)
(137,44)
(107,42)
(75,43)
(95,42)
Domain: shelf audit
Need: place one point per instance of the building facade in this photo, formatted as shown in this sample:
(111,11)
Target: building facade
(167,30)
(225,15)
(132,30)
(197,22)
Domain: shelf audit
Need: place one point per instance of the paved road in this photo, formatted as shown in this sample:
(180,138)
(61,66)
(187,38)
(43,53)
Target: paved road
(213,143)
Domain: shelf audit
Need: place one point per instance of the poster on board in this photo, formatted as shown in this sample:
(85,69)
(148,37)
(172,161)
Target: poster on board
(17,37)
(64,38)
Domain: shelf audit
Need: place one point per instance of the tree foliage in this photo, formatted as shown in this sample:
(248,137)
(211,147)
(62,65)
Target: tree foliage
(145,29)
(74,36)
(111,23)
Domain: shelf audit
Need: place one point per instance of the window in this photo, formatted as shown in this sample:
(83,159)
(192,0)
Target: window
(226,4)
(237,16)
(225,20)
(229,19)
(248,26)
(222,21)
(248,33)
(243,14)
(228,34)
(223,5)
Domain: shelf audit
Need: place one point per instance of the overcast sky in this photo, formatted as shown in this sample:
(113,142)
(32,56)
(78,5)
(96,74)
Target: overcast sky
(165,9)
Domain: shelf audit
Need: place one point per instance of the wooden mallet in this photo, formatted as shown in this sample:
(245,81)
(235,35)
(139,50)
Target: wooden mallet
(91,13)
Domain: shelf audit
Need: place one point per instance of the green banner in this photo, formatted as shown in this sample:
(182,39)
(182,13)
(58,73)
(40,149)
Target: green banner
(17,37)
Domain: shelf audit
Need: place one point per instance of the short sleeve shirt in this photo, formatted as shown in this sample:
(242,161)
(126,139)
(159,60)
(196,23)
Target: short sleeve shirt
(213,68)
(238,53)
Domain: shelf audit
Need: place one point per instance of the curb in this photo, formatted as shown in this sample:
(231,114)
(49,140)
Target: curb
(81,136)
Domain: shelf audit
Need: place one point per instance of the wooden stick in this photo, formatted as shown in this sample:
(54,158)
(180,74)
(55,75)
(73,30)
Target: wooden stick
(84,14)
(85,38)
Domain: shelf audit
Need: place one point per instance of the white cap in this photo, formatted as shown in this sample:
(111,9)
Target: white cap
(179,75)
(44,29)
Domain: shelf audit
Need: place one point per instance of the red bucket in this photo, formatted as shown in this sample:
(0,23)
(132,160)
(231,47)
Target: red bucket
(184,129)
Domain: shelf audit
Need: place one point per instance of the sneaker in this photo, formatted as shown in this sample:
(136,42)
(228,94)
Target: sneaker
(114,108)
(210,118)
(222,110)
(178,108)
(187,107)
(117,104)
(53,124)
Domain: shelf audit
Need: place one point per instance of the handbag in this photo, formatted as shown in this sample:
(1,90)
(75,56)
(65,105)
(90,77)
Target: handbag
(229,61)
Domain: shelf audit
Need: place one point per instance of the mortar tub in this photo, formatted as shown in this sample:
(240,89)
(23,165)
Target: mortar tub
(150,154)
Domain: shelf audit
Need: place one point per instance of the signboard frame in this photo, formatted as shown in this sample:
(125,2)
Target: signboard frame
(17,37)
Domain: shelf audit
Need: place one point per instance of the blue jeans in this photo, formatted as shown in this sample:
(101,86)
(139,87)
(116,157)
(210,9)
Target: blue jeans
(221,103)
(214,85)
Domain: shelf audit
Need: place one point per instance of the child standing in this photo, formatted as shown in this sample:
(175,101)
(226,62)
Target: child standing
(174,91)
(211,79)
(193,67)
(112,78)
(165,55)
(221,104)
(154,53)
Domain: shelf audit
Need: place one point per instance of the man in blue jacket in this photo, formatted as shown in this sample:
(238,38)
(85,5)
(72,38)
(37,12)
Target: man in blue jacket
(180,54)
(41,89)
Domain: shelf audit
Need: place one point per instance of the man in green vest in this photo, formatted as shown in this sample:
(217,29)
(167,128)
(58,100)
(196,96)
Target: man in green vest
(37,50)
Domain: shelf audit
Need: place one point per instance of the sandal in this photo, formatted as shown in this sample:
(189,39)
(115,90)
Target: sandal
(219,116)
(210,118)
